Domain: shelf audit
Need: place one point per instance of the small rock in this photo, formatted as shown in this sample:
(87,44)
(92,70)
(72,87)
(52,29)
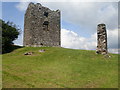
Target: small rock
(42,50)
(28,53)
(107,56)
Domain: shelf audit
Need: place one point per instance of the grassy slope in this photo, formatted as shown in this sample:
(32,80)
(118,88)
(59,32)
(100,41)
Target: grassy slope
(60,68)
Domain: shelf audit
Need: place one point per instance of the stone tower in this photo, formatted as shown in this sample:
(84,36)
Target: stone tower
(101,39)
(41,26)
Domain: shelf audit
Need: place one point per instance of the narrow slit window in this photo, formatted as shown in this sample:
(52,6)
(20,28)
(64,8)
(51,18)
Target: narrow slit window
(46,14)
(45,25)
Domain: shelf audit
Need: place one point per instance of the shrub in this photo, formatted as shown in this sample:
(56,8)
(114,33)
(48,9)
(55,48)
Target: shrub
(9,33)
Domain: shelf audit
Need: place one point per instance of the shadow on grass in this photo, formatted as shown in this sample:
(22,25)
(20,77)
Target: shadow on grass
(11,48)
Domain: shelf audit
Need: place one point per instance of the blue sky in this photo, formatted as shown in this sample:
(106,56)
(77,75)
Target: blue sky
(78,22)
(11,13)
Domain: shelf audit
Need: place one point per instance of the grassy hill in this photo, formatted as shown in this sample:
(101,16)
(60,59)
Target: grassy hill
(59,68)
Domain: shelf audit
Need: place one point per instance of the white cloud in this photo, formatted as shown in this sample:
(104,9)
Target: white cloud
(22,6)
(70,39)
(113,38)
(115,51)
(19,41)
(87,14)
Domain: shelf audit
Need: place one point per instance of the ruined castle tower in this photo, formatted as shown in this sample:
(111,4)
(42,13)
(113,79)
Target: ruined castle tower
(41,26)
(101,39)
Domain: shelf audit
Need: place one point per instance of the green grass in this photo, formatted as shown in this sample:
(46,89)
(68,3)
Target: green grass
(59,68)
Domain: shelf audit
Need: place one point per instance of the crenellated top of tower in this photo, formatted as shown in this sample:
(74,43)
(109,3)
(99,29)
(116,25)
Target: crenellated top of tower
(102,24)
(39,6)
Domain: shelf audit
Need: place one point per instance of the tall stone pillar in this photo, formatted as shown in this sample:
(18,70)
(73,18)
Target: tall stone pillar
(101,39)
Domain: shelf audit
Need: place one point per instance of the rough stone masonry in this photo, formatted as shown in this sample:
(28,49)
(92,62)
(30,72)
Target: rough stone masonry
(41,27)
(101,39)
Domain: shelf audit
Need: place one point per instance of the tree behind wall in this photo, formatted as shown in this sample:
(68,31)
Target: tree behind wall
(9,33)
